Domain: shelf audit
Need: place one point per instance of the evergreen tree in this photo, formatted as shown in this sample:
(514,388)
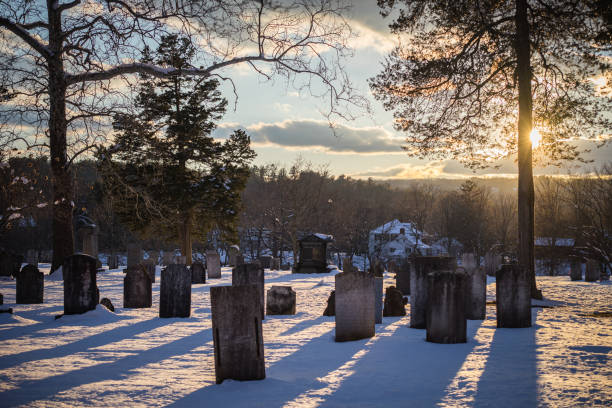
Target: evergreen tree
(175,179)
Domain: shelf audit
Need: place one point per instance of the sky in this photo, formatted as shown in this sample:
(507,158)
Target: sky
(284,124)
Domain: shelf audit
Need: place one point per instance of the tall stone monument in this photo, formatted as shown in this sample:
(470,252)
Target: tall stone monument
(446,320)
(80,289)
(175,291)
(213,264)
(513,297)
(476,288)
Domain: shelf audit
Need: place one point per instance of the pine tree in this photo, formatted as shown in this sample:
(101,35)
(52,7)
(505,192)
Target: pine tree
(176,181)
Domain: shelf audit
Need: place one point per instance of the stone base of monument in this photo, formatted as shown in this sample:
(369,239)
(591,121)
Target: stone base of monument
(513,297)
(198,273)
(175,291)
(137,289)
(446,321)
(237,333)
(81,292)
(30,285)
(395,303)
(355,315)
(280,300)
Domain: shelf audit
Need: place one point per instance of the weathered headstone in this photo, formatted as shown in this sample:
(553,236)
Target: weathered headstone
(492,263)
(576,270)
(149,267)
(175,292)
(31,257)
(250,274)
(80,290)
(419,292)
(107,304)
(198,273)
(592,271)
(395,303)
(280,301)
(513,297)
(137,288)
(476,288)
(265,261)
(275,264)
(113,261)
(446,320)
(237,333)
(347,265)
(330,309)
(378,299)
(232,252)
(134,255)
(213,265)
(30,285)
(402,278)
(354,306)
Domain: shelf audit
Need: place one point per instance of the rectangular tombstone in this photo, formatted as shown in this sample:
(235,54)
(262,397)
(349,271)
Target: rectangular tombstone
(592,271)
(250,274)
(213,265)
(237,333)
(134,255)
(137,288)
(80,289)
(476,288)
(355,300)
(419,292)
(30,285)
(265,261)
(402,278)
(198,273)
(275,264)
(149,267)
(175,292)
(576,270)
(378,300)
(168,258)
(113,261)
(446,320)
(492,263)
(347,265)
(31,257)
(513,297)
(280,301)
(232,253)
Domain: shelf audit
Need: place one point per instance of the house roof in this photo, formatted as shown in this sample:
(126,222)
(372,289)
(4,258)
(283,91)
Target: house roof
(318,237)
(394,227)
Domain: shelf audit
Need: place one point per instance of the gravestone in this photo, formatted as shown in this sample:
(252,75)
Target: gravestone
(347,265)
(232,252)
(168,258)
(137,288)
(492,263)
(250,274)
(149,267)
(592,271)
(239,259)
(30,285)
(175,292)
(213,265)
(10,264)
(237,333)
(107,304)
(113,262)
(134,255)
(80,290)
(476,288)
(395,303)
(354,306)
(513,297)
(330,309)
(377,268)
(90,241)
(265,261)
(275,264)
(419,292)
(446,320)
(280,301)
(31,257)
(312,254)
(378,299)
(198,273)
(576,270)
(402,278)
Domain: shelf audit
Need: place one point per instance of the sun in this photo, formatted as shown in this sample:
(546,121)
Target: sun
(535,137)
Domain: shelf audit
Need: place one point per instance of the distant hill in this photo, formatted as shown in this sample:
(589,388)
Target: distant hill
(502,184)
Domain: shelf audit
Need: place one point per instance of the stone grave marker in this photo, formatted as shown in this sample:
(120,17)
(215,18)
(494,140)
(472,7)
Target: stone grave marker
(446,320)
(80,290)
(395,304)
(30,285)
(113,261)
(265,261)
(137,288)
(476,288)
(492,263)
(250,274)
(175,291)
(354,306)
(280,301)
(237,333)
(592,271)
(213,265)
(232,252)
(198,273)
(378,299)
(576,270)
(402,277)
(347,265)
(275,264)
(513,297)
(419,292)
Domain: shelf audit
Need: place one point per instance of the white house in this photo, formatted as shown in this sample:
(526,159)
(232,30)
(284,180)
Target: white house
(397,240)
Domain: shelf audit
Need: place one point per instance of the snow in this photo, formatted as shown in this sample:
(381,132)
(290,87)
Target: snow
(134,358)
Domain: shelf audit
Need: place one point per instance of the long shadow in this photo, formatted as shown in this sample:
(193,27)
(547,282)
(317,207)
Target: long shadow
(298,327)
(109,336)
(30,391)
(510,375)
(402,369)
(285,379)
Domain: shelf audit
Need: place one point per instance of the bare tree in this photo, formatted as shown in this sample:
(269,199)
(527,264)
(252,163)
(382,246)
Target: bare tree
(64,64)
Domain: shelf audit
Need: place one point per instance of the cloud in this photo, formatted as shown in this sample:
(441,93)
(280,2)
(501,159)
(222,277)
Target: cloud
(308,134)
(405,171)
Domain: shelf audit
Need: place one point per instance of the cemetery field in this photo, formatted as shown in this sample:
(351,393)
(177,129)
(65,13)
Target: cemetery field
(134,358)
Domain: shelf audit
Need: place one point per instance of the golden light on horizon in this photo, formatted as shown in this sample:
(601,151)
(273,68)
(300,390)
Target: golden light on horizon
(535,137)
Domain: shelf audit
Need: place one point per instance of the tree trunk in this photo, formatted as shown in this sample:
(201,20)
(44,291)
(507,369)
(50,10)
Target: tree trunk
(525,170)
(63,238)
(185,233)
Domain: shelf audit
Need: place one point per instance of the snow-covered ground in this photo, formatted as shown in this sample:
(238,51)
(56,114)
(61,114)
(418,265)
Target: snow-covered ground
(133,358)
